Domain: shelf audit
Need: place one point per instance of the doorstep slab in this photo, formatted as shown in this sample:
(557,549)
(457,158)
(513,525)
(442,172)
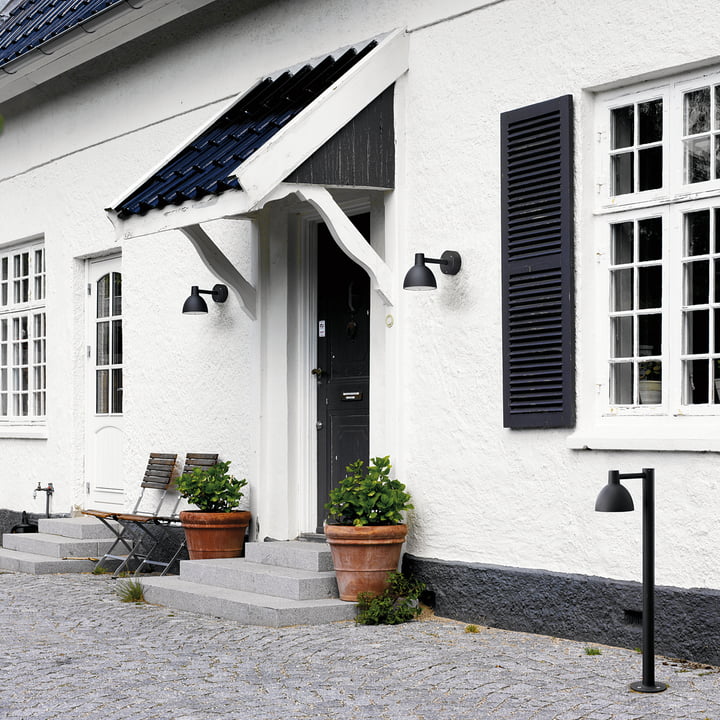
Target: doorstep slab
(82,528)
(313,556)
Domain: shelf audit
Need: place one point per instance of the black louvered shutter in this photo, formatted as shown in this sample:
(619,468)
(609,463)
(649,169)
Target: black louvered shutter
(537,265)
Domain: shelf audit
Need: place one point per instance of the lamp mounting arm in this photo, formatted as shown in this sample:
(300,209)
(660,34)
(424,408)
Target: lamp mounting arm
(449,262)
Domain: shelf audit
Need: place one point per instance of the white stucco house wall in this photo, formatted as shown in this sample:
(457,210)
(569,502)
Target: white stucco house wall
(589,232)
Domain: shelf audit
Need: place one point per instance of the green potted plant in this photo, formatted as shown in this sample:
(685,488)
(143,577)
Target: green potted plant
(216,529)
(366,529)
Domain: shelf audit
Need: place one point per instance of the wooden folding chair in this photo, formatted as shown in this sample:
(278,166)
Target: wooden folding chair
(156,529)
(158,478)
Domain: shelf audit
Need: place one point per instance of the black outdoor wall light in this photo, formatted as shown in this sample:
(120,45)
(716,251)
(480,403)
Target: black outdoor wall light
(420,277)
(195,305)
(614,497)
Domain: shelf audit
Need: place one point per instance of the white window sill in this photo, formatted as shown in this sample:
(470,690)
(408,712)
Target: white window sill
(678,434)
(23,432)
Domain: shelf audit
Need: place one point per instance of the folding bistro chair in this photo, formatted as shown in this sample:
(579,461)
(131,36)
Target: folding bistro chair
(156,529)
(158,477)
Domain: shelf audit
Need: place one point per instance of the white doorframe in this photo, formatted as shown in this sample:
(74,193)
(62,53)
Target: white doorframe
(104,426)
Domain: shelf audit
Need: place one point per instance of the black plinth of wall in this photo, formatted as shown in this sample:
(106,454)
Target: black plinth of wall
(576,607)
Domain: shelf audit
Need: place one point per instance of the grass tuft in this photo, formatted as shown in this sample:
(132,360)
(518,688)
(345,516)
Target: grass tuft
(593,651)
(472,629)
(130,591)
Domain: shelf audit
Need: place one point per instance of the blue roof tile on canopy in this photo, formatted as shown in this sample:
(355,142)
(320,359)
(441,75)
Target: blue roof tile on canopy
(206,165)
(35,22)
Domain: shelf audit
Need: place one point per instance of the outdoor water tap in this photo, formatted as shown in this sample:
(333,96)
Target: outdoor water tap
(49,490)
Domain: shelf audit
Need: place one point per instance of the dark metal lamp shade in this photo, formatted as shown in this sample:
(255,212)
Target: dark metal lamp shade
(614,497)
(420,277)
(195,305)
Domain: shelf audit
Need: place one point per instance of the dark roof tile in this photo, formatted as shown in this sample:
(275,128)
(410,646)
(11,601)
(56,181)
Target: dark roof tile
(205,165)
(35,22)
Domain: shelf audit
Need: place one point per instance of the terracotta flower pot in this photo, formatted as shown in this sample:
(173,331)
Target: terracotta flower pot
(363,556)
(214,534)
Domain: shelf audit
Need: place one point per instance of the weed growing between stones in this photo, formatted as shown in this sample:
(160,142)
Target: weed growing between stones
(593,651)
(130,591)
(398,603)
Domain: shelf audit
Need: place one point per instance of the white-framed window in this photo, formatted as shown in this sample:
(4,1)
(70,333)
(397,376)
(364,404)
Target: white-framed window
(650,346)
(23,353)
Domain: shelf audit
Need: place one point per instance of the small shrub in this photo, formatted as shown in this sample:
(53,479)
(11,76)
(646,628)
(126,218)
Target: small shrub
(100,570)
(398,603)
(130,591)
(212,489)
(593,651)
(472,629)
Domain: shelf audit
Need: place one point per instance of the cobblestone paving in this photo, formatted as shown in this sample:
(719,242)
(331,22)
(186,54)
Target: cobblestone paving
(72,650)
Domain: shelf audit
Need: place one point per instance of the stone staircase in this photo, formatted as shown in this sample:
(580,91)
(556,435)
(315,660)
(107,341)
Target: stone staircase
(277,584)
(61,545)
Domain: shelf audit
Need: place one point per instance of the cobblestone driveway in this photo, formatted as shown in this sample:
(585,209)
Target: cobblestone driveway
(72,650)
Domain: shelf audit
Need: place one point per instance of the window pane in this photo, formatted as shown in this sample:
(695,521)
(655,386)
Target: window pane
(716,381)
(622,127)
(697,160)
(117,345)
(696,282)
(650,168)
(697,111)
(622,337)
(650,119)
(103,296)
(650,382)
(117,294)
(650,287)
(650,334)
(623,174)
(4,269)
(103,344)
(117,391)
(622,289)
(696,384)
(621,383)
(697,332)
(697,233)
(650,239)
(622,243)
(717,334)
(101,391)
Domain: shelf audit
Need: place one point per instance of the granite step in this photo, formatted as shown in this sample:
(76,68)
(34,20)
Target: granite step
(279,581)
(294,553)
(16,561)
(61,545)
(55,546)
(244,607)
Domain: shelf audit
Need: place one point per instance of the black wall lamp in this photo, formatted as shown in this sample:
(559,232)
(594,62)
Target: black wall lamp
(420,277)
(614,497)
(195,305)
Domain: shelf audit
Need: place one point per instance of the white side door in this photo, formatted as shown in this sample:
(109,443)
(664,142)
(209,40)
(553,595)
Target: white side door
(104,435)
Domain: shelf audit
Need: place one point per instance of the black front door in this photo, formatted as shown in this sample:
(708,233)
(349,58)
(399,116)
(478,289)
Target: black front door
(343,369)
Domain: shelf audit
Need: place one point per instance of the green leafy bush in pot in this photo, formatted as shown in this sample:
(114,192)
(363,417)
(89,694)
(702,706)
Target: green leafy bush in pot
(212,489)
(368,497)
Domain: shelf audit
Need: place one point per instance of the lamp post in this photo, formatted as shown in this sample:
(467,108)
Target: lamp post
(614,497)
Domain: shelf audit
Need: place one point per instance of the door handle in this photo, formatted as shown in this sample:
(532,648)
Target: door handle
(319,425)
(318,372)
